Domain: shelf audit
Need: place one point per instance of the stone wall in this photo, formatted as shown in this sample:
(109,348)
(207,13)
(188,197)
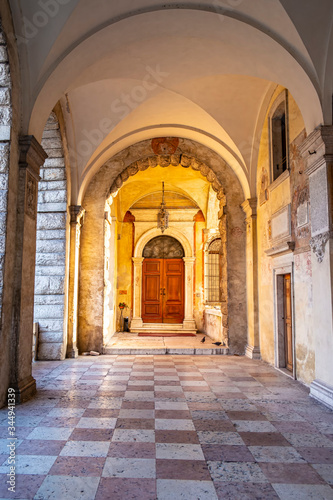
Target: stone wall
(51,247)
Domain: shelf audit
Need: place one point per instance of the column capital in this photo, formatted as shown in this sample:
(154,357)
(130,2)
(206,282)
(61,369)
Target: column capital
(76,212)
(31,154)
(249,207)
(189,260)
(137,261)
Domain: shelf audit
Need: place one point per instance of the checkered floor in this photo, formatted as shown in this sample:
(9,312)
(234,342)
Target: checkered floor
(168,427)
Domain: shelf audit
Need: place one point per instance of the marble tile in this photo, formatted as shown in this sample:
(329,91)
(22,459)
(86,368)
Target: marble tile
(316,455)
(25,488)
(63,487)
(253,426)
(71,466)
(171,405)
(303,492)
(244,491)
(40,447)
(285,454)
(136,413)
(236,472)
(138,435)
(132,450)
(299,440)
(222,438)
(168,489)
(182,469)
(227,453)
(179,451)
(174,424)
(290,473)
(109,403)
(91,435)
(167,436)
(264,439)
(30,464)
(51,433)
(66,412)
(117,488)
(129,467)
(325,471)
(96,423)
(85,449)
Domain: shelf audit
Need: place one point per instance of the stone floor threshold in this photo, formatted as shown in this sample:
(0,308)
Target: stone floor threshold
(124,343)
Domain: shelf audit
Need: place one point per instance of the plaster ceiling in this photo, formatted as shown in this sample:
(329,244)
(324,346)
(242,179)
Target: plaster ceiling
(206,70)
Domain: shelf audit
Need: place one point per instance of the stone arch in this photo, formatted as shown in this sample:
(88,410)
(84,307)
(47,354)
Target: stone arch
(183,160)
(231,227)
(152,233)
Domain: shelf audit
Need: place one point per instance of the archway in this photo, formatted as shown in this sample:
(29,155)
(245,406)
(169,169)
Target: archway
(163,281)
(188,323)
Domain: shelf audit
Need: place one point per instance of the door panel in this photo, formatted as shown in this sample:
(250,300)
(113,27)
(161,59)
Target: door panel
(288,336)
(173,303)
(151,291)
(163,291)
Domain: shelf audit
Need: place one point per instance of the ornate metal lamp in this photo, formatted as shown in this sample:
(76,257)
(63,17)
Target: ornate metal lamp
(163,214)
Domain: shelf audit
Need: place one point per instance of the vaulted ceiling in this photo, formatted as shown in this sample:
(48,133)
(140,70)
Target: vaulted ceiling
(128,71)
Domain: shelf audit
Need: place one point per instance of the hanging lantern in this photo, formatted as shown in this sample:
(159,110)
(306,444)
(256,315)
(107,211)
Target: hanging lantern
(163,214)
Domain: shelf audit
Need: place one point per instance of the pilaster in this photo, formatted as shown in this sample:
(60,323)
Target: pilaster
(253,342)
(317,150)
(76,213)
(137,285)
(32,157)
(189,322)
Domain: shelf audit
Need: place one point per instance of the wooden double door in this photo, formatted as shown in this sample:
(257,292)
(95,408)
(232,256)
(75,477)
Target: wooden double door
(163,291)
(287,316)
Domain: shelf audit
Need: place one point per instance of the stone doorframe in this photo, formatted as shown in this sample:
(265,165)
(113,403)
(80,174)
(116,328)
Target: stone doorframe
(189,322)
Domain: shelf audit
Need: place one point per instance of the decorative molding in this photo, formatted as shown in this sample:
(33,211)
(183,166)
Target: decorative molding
(318,243)
(288,246)
(32,155)
(249,207)
(278,181)
(76,212)
(322,392)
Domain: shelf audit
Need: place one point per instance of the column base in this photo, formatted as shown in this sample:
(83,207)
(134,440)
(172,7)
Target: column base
(136,323)
(72,353)
(25,389)
(322,392)
(189,324)
(252,352)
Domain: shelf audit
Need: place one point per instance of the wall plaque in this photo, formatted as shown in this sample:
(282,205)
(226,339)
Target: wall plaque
(280,224)
(319,201)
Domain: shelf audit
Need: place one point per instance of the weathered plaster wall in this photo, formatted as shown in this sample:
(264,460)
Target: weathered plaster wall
(91,268)
(292,190)
(50,274)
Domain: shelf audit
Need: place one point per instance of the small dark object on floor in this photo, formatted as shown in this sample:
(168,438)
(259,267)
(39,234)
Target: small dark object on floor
(203,340)
(217,343)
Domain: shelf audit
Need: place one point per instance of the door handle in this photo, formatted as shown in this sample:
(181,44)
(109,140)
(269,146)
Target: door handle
(163,291)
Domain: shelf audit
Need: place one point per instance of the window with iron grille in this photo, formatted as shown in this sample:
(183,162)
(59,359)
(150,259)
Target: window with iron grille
(213,271)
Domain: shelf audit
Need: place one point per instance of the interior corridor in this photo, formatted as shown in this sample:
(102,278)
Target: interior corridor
(168,427)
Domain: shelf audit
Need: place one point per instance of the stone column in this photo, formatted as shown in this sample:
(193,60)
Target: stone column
(32,157)
(189,322)
(137,318)
(253,344)
(317,149)
(76,219)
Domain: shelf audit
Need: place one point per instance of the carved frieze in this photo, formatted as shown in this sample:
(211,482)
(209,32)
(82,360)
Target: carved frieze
(318,244)
(31,196)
